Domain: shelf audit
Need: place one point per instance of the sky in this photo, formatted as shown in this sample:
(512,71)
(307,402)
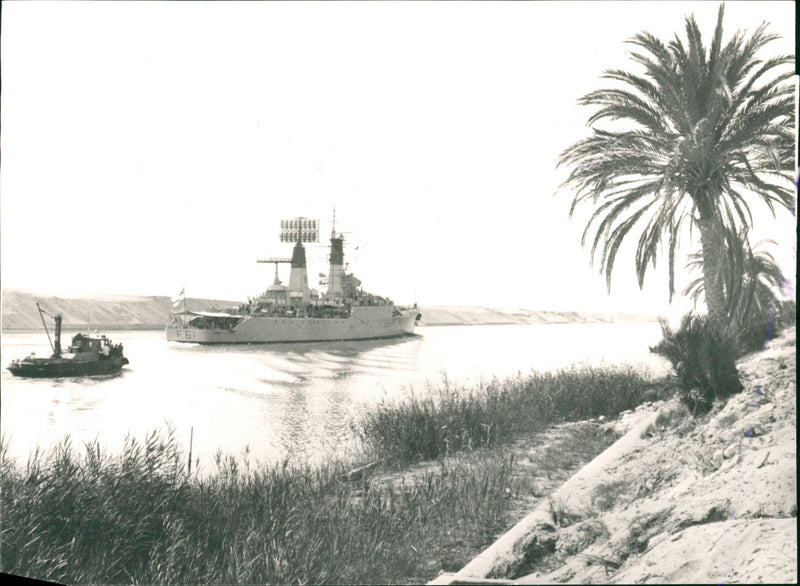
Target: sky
(152,146)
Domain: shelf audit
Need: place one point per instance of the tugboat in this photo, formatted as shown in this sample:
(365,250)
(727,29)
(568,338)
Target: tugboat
(87,355)
(297,313)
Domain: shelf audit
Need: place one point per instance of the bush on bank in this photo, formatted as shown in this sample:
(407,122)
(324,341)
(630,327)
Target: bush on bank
(703,361)
(702,358)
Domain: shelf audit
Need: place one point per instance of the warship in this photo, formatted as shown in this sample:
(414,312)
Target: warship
(87,355)
(297,313)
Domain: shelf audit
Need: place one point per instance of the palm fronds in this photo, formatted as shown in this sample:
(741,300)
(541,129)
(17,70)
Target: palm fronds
(705,131)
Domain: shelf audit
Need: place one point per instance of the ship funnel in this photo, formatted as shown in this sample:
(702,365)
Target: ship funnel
(301,230)
(298,278)
(336,270)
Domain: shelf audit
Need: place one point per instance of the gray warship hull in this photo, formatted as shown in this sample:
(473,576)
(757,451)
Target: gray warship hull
(363,323)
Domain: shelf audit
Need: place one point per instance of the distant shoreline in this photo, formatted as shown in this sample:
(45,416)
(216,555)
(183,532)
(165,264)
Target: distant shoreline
(99,328)
(131,313)
(155,328)
(536,323)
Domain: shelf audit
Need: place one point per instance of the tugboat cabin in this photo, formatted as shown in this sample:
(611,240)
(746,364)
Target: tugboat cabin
(90,344)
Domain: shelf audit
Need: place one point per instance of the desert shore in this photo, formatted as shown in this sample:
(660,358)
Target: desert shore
(676,499)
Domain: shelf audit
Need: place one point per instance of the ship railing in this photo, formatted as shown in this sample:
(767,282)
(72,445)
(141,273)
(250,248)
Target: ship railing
(311,310)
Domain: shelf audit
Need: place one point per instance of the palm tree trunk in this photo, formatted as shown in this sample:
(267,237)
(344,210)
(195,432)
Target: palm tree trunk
(725,346)
(713,251)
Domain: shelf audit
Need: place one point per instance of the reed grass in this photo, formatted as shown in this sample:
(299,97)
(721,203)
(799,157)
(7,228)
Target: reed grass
(84,516)
(452,417)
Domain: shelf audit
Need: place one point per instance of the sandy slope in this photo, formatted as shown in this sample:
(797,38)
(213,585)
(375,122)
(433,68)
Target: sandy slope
(676,499)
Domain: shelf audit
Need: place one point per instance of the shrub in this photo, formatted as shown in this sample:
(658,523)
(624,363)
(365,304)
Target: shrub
(771,321)
(755,329)
(785,315)
(703,361)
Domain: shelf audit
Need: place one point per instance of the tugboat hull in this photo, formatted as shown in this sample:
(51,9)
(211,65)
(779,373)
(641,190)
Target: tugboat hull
(60,367)
(87,355)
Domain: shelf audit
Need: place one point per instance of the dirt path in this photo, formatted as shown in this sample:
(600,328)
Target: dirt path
(540,463)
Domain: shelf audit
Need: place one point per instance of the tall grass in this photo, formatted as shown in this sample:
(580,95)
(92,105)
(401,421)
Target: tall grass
(87,516)
(452,418)
(84,516)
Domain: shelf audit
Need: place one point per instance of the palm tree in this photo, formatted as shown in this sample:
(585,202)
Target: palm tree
(703,134)
(750,276)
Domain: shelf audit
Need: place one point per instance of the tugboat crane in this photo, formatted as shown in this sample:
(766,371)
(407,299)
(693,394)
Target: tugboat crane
(57,334)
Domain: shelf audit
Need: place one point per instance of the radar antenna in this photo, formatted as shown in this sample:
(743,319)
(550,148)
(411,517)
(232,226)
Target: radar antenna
(300,230)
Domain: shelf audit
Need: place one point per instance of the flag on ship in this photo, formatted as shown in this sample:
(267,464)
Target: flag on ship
(176,301)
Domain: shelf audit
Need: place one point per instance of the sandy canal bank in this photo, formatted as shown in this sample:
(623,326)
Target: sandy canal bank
(676,499)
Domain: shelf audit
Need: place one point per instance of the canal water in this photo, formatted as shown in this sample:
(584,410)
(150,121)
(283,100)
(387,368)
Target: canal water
(283,400)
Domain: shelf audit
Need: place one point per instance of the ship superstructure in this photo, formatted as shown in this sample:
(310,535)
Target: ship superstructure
(297,313)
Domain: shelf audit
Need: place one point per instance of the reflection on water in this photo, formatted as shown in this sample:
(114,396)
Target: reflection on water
(294,400)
